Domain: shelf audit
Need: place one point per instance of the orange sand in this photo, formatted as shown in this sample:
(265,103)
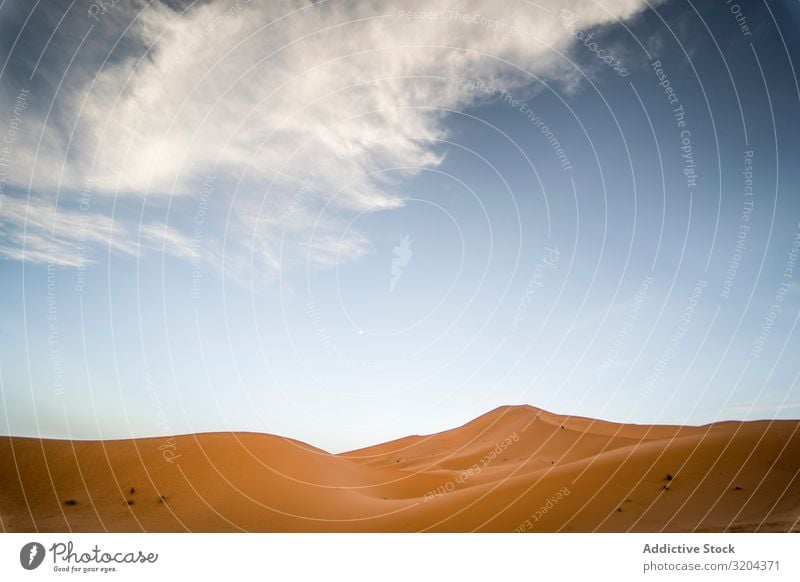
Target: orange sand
(515,468)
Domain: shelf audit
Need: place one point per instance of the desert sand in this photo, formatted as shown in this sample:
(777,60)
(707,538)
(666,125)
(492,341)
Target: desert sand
(517,468)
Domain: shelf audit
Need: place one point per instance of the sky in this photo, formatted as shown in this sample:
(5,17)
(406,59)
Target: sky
(347,222)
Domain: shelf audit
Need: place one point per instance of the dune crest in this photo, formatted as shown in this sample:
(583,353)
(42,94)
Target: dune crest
(516,468)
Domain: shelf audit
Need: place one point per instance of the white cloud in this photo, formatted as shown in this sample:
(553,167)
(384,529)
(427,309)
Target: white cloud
(35,230)
(300,105)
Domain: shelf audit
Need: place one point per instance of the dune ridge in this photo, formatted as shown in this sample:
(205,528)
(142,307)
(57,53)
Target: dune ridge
(516,468)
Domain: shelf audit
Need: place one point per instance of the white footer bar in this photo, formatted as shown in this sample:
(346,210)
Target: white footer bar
(417,557)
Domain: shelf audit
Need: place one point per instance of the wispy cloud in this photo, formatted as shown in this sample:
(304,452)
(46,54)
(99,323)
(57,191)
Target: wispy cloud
(35,230)
(308,112)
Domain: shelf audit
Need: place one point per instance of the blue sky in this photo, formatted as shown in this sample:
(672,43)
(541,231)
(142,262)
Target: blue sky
(345,224)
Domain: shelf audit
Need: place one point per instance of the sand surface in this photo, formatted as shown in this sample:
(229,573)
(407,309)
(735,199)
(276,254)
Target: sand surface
(516,468)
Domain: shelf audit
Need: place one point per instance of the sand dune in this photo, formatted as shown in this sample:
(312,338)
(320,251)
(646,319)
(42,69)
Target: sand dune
(516,468)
